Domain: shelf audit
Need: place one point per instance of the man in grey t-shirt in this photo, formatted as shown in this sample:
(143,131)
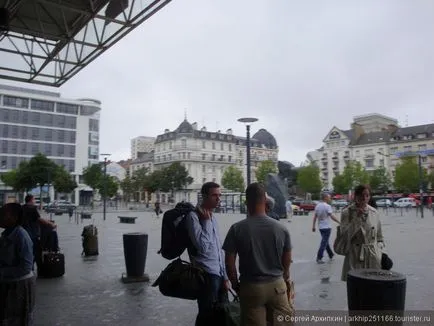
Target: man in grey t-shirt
(264,249)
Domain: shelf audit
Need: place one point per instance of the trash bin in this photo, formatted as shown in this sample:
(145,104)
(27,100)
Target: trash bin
(375,291)
(135,251)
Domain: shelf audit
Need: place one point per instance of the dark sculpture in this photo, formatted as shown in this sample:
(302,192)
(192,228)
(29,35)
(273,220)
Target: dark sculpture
(278,189)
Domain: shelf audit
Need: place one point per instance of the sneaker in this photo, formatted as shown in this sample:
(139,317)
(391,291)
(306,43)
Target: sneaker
(320,261)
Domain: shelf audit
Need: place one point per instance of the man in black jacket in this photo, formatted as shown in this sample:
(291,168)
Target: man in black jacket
(32,223)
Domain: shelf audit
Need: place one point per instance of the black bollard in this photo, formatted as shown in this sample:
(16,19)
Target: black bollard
(379,292)
(135,251)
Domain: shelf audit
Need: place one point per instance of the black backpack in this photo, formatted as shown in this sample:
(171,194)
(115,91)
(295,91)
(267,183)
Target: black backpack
(174,234)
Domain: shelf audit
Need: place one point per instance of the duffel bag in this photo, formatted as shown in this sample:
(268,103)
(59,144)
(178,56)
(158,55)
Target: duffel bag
(180,279)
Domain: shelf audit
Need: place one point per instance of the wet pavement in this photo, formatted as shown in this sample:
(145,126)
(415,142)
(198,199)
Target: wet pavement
(91,293)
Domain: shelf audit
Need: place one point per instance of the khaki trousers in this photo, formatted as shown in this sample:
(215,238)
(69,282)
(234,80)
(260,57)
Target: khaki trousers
(265,304)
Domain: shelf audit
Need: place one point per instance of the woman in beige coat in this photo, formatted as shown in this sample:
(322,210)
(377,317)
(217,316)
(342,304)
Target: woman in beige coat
(360,234)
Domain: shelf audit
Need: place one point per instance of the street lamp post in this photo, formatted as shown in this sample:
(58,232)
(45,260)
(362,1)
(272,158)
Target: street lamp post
(247,122)
(420,184)
(105,185)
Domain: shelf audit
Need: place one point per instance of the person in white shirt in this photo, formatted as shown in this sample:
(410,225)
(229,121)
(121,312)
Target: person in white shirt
(289,210)
(324,215)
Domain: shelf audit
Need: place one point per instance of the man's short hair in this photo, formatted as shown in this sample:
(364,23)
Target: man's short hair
(207,186)
(28,198)
(255,192)
(324,195)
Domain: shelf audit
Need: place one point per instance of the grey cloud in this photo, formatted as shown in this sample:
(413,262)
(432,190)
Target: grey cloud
(300,66)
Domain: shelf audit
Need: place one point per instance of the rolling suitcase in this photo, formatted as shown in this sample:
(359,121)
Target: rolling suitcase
(52,265)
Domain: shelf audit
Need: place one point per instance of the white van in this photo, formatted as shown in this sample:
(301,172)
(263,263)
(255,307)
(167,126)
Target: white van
(405,202)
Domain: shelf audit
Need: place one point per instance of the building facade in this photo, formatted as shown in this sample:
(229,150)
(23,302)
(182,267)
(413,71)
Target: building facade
(64,130)
(375,141)
(140,145)
(207,154)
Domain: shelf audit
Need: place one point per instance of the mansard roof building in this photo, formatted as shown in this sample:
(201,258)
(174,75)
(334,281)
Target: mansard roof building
(374,140)
(206,154)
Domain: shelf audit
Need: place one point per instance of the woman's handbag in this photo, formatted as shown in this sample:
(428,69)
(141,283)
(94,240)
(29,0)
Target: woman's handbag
(341,244)
(386,262)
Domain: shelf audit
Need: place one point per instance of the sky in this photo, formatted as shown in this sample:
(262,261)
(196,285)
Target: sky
(300,67)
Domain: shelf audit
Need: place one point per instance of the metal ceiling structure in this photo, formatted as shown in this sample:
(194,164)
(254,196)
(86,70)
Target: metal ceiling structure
(48,41)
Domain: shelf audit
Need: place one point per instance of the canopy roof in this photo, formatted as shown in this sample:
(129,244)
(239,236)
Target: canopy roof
(49,41)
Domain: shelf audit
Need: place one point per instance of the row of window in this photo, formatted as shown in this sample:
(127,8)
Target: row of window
(37,118)
(12,162)
(33,148)
(47,106)
(35,133)
(189,156)
(184,144)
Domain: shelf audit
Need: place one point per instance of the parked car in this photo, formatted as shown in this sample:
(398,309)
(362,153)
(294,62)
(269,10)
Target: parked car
(384,202)
(340,203)
(405,202)
(307,205)
(59,207)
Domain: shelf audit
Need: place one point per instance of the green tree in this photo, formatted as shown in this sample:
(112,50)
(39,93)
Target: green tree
(128,187)
(175,177)
(407,175)
(308,179)
(430,180)
(353,175)
(10,179)
(41,169)
(111,184)
(92,175)
(233,180)
(63,181)
(339,185)
(265,167)
(140,179)
(380,180)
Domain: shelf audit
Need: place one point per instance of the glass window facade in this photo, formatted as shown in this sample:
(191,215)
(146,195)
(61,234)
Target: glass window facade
(17,102)
(46,106)
(67,108)
(38,118)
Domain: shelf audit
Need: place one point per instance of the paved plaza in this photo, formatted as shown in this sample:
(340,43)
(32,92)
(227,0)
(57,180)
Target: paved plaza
(91,293)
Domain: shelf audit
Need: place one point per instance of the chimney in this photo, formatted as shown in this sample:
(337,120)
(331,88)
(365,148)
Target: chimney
(358,130)
(194,125)
(166,131)
(229,131)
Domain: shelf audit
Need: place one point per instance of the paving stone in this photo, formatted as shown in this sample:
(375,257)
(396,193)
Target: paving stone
(91,293)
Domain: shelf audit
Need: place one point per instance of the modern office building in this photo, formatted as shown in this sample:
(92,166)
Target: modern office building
(141,145)
(375,141)
(34,121)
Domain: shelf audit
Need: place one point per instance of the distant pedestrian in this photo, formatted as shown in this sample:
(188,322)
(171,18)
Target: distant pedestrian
(269,208)
(158,210)
(264,249)
(32,223)
(289,211)
(324,214)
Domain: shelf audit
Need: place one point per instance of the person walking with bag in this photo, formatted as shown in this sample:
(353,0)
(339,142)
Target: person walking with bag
(359,237)
(264,249)
(17,281)
(324,215)
(203,231)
